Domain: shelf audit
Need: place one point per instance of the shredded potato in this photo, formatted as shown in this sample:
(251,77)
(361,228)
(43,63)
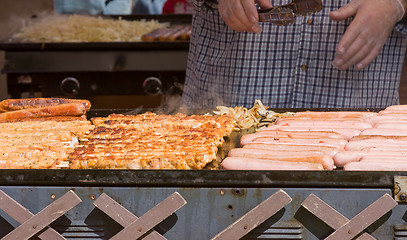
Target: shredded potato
(258,116)
(76,28)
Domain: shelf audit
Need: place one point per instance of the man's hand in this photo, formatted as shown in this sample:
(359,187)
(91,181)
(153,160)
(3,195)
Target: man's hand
(241,15)
(368,32)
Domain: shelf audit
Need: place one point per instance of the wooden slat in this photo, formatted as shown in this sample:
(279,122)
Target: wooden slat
(364,219)
(151,218)
(46,216)
(21,214)
(256,216)
(329,215)
(120,214)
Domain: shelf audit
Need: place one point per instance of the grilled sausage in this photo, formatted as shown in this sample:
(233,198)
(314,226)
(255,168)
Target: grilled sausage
(68,109)
(330,142)
(342,158)
(375,166)
(153,36)
(384,132)
(376,146)
(335,114)
(383,118)
(25,103)
(351,124)
(346,133)
(246,139)
(330,151)
(240,163)
(317,157)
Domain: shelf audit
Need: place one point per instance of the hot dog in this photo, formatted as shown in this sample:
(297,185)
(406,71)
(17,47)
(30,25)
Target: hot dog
(375,138)
(342,158)
(239,163)
(392,125)
(346,133)
(377,119)
(69,109)
(352,124)
(396,108)
(330,142)
(246,139)
(393,113)
(153,36)
(25,103)
(309,157)
(330,151)
(384,132)
(375,166)
(375,146)
(335,114)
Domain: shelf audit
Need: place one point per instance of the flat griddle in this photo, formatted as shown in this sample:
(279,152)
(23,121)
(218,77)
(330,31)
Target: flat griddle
(199,178)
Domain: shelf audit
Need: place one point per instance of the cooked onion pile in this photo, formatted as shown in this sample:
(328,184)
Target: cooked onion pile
(76,28)
(259,116)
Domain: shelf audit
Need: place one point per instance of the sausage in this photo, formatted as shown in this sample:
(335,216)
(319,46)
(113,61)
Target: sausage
(385,158)
(187,34)
(246,139)
(330,142)
(335,114)
(392,125)
(384,132)
(375,138)
(346,133)
(239,163)
(342,158)
(352,124)
(68,109)
(179,34)
(330,151)
(166,35)
(377,119)
(153,35)
(375,146)
(391,113)
(309,157)
(375,166)
(396,108)
(25,103)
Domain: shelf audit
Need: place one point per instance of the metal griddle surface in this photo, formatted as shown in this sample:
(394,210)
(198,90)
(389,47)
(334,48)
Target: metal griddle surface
(199,178)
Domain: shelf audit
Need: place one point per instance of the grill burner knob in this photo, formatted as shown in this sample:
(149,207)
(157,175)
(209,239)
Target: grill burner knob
(70,86)
(152,86)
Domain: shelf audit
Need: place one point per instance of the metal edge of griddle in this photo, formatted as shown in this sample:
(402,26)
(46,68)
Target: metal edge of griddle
(198,178)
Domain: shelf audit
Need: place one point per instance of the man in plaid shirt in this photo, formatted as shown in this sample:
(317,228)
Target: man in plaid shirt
(349,55)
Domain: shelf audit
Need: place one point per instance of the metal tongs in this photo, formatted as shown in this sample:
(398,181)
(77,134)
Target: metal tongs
(283,15)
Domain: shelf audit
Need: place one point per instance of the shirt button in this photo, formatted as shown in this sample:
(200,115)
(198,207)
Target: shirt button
(310,21)
(304,67)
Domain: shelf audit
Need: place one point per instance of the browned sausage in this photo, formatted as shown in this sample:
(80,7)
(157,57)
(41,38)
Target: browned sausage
(68,109)
(24,103)
(239,163)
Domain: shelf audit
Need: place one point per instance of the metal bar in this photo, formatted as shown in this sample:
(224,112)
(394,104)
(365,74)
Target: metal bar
(21,214)
(120,214)
(46,216)
(329,215)
(255,217)
(364,219)
(151,218)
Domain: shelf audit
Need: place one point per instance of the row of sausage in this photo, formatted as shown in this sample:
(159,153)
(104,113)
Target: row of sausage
(348,140)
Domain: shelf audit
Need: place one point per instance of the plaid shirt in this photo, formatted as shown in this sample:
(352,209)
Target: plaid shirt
(285,67)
